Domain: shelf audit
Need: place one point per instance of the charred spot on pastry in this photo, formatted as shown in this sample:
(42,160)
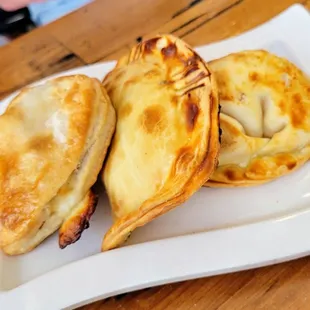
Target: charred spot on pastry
(220,134)
(153,119)
(291,165)
(192,60)
(192,112)
(230,175)
(42,225)
(286,160)
(78,223)
(139,39)
(128,236)
(220,129)
(150,45)
(169,51)
(253,76)
(192,68)
(200,76)
(193,88)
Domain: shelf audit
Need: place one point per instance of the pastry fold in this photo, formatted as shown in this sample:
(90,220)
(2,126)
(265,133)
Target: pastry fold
(166,141)
(265,106)
(53,141)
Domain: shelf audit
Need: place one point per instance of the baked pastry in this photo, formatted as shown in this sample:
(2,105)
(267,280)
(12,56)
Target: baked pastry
(166,141)
(53,141)
(265,106)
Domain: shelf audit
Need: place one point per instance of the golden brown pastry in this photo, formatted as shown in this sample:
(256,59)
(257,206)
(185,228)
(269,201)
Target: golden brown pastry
(53,141)
(167,134)
(264,117)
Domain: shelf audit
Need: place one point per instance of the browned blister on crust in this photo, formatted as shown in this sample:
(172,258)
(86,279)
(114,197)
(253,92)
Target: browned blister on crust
(71,230)
(166,141)
(53,141)
(265,118)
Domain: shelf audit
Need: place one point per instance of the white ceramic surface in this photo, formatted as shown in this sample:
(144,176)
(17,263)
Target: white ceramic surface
(216,231)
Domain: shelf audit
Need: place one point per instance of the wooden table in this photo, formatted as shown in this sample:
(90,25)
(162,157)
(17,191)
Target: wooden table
(106,29)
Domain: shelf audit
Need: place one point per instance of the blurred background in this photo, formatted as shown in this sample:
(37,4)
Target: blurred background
(15,22)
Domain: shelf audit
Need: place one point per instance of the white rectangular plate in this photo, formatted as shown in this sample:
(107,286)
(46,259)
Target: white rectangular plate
(216,231)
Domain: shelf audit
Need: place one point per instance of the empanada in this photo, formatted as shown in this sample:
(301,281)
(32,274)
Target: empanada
(166,141)
(53,141)
(265,120)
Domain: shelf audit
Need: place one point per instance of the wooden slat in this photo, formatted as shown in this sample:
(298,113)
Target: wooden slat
(54,48)
(191,18)
(210,21)
(185,20)
(104,26)
(32,57)
(241,17)
(117,54)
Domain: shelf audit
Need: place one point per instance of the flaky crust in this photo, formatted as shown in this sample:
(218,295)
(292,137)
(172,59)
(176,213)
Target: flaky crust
(54,140)
(265,120)
(71,230)
(167,134)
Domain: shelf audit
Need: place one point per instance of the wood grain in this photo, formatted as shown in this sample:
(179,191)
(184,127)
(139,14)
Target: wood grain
(110,27)
(183,19)
(241,17)
(94,32)
(186,20)
(34,56)
(105,30)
